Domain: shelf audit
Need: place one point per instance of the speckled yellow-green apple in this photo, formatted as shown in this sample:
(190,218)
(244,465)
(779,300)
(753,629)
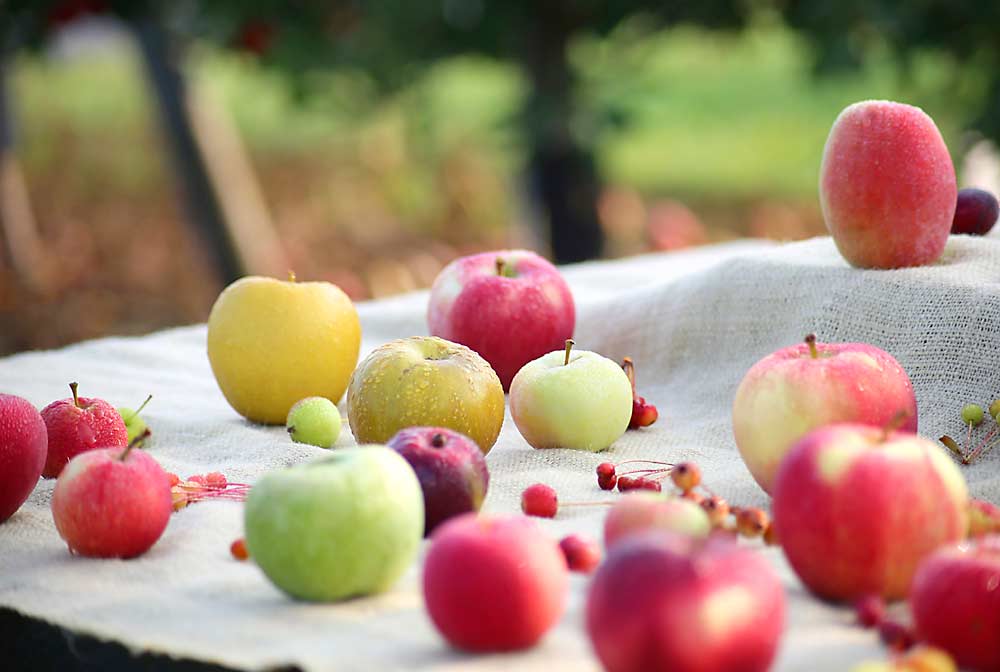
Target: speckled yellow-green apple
(571,399)
(857,508)
(273,342)
(425,381)
(343,526)
(805,386)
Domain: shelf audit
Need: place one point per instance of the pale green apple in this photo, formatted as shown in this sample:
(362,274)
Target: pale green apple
(134,423)
(425,381)
(343,526)
(581,401)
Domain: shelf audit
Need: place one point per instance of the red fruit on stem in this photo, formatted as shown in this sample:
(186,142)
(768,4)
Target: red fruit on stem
(643,412)
(493,584)
(647,484)
(606,476)
(23,445)
(540,500)
(870,610)
(78,424)
(583,554)
(238,549)
(975,213)
(686,476)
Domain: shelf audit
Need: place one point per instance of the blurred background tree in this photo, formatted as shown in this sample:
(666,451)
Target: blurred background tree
(382,139)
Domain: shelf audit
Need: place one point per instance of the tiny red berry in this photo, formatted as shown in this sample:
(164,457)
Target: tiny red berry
(647,484)
(643,413)
(200,480)
(717,509)
(539,500)
(751,522)
(216,479)
(686,476)
(606,469)
(239,549)
(606,476)
(582,553)
(626,483)
(870,610)
(895,635)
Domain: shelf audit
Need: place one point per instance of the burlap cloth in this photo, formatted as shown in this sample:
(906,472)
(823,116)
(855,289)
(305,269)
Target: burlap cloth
(693,321)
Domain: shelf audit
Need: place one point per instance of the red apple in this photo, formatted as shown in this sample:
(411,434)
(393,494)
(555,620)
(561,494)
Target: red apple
(494,584)
(640,512)
(857,508)
(956,602)
(805,386)
(111,503)
(669,602)
(887,186)
(22,452)
(79,424)
(510,306)
(451,470)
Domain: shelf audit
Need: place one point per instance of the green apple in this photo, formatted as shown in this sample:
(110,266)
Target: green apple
(134,423)
(571,399)
(314,420)
(343,526)
(425,381)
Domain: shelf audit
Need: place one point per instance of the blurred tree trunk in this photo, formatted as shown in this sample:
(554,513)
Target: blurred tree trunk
(17,221)
(562,172)
(202,206)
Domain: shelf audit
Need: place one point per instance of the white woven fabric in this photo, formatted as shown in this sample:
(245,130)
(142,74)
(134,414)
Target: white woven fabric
(693,321)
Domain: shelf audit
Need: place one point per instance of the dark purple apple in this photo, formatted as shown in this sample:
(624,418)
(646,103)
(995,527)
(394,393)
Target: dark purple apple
(975,213)
(451,469)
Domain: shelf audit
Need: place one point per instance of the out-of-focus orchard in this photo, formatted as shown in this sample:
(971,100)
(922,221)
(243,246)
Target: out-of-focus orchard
(695,135)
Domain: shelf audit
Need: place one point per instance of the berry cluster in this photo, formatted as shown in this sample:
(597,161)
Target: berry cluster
(901,640)
(212,485)
(643,413)
(973,416)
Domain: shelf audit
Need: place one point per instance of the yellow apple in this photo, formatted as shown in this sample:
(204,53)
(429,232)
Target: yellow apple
(272,343)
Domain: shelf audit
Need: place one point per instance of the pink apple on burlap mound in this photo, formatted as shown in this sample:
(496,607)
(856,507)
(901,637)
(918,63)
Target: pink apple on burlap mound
(887,186)
(510,306)
(805,386)
(857,508)
(23,445)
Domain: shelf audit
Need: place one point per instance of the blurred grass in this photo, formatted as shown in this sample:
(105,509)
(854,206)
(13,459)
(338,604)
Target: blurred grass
(684,112)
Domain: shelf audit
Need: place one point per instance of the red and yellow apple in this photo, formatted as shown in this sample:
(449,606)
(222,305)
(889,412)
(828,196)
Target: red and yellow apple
(805,386)
(639,512)
(510,306)
(857,508)
(887,186)
(669,602)
(956,602)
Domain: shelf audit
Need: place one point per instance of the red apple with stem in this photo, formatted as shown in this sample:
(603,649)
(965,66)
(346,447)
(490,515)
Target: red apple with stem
(956,602)
(662,601)
(112,502)
(809,385)
(79,424)
(857,508)
(494,583)
(23,444)
(510,306)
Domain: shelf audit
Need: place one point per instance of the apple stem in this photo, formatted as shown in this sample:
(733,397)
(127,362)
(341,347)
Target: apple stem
(142,406)
(291,275)
(897,420)
(569,348)
(811,342)
(501,266)
(438,440)
(76,399)
(133,443)
(629,367)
